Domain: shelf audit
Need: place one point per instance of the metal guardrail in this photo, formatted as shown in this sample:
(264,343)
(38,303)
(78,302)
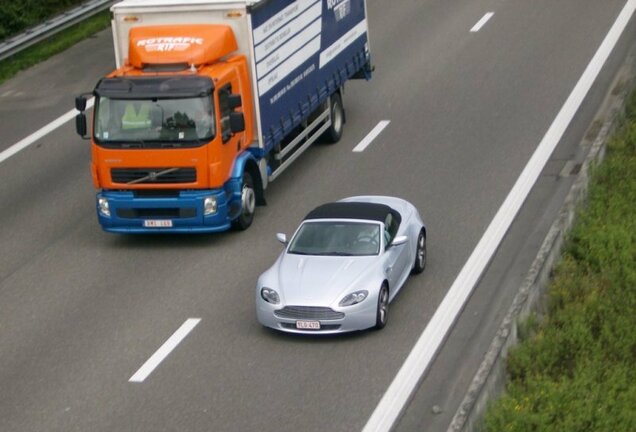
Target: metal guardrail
(54,25)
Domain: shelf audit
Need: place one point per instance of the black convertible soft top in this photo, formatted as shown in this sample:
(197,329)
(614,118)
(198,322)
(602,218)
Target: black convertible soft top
(353,210)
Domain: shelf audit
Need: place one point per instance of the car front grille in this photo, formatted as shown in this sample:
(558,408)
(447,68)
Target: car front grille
(153,175)
(309,313)
(323,327)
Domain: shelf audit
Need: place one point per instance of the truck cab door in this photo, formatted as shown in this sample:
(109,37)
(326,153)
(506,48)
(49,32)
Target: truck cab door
(230,142)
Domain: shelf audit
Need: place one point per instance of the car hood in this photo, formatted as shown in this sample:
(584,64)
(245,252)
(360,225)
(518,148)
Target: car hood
(320,280)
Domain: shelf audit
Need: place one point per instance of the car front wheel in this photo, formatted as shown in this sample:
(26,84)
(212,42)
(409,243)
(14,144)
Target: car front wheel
(420,254)
(383,307)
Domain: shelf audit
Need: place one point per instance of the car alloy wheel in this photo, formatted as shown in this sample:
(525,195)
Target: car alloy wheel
(383,307)
(420,254)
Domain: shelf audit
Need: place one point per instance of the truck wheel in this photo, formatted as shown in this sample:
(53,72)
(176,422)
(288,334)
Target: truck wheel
(248,203)
(333,134)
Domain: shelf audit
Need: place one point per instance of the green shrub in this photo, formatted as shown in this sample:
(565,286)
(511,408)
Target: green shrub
(578,372)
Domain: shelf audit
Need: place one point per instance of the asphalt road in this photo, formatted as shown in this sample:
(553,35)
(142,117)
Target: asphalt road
(82,310)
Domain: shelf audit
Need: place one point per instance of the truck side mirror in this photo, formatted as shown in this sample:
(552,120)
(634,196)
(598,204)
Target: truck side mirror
(80,124)
(234,101)
(80,103)
(237,122)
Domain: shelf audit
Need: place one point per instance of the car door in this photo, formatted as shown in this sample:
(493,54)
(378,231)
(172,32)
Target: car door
(391,261)
(397,268)
(398,257)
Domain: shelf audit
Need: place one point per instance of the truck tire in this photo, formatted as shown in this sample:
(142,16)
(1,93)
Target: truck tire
(333,134)
(248,203)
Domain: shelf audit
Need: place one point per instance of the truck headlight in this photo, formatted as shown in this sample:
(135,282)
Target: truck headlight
(270,296)
(209,205)
(104,208)
(353,298)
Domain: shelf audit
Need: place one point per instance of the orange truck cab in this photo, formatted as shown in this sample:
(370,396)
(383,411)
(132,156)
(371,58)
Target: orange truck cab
(211,100)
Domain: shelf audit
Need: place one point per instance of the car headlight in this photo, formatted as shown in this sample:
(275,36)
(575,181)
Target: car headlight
(270,296)
(209,205)
(353,298)
(102,205)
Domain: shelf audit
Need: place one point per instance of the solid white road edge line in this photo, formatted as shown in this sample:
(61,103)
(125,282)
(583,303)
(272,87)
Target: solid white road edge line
(481,22)
(24,143)
(371,136)
(396,396)
(164,350)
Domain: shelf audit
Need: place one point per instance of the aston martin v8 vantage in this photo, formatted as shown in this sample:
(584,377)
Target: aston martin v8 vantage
(342,267)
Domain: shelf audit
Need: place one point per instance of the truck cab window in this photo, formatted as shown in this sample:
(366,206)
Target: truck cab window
(225,111)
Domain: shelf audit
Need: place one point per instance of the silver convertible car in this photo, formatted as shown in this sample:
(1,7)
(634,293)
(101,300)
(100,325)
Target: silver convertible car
(342,267)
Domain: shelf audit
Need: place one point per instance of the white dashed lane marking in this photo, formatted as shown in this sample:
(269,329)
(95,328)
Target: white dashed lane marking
(164,350)
(481,22)
(24,143)
(371,136)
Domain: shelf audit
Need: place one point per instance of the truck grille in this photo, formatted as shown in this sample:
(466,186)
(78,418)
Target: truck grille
(153,175)
(309,312)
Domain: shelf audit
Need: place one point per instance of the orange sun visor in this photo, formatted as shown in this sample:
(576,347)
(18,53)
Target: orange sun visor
(191,44)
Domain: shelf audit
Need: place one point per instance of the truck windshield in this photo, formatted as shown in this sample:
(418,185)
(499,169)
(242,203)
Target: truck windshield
(174,122)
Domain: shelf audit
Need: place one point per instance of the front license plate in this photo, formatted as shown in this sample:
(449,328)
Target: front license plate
(158,223)
(308,325)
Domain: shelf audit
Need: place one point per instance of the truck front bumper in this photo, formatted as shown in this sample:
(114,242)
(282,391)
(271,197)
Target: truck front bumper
(162,212)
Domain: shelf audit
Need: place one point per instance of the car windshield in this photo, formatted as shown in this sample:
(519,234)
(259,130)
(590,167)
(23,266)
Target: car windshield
(154,122)
(336,238)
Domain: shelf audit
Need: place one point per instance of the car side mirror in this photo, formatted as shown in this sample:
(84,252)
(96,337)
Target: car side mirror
(80,124)
(281,238)
(399,240)
(237,122)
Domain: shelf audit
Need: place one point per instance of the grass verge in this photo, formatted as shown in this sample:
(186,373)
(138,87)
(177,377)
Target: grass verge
(578,371)
(53,45)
